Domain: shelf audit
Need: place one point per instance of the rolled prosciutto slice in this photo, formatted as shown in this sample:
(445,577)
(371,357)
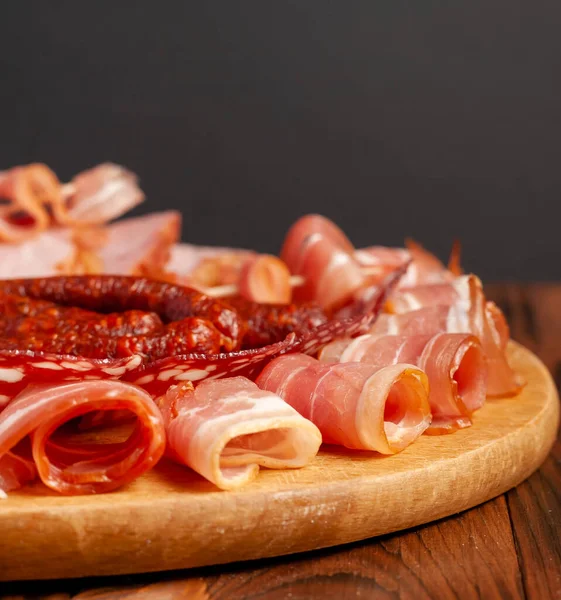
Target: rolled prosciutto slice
(471,313)
(355,405)
(454,363)
(226,429)
(317,250)
(67,466)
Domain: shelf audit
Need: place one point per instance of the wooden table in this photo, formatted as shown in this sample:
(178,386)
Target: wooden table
(509,547)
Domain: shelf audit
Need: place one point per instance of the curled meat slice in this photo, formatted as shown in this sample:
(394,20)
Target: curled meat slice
(471,314)
(27,189)
(317,250)
(97,196)
(226,429)
(71,468)
(355,405)
(454,363)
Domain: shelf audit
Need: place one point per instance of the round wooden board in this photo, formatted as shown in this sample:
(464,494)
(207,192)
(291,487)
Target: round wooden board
(171,518)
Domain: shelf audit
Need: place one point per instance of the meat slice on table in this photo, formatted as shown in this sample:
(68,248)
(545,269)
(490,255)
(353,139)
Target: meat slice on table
(64,464)
(355,405)
(454,363)
(469,312)
(226,429)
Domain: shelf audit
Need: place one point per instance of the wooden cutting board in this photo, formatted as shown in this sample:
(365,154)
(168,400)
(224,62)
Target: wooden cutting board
(171,518)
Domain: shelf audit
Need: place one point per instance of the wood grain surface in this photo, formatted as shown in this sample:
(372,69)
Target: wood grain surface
(506,548)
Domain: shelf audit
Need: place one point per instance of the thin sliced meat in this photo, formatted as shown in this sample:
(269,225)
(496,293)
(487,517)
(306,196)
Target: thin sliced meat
(421,296)
(67,468)
(355,405)
(265,279)
(47,254)
(140,245)
(98,196)
(317,250)
(15,471)
(471,315)
(207,266)
(454,363)
(27,189)
(225,430)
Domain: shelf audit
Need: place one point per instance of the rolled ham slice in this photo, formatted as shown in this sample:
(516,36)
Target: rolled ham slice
(470,314)
(355,405)
(226,429)
(68,467)
(317,250)
(454,363)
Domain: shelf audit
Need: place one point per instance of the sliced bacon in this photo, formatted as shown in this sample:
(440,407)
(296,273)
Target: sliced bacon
(355,405)
(68,468)
(226,429)
(454,363)
(472,314)
(98,196)
(317,250)
(140,245)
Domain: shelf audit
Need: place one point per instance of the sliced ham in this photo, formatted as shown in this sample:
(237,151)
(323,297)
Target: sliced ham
(454,363)
(226,429)
(317,250)
(471,314)
(355,405)
(68,467)
(140,245)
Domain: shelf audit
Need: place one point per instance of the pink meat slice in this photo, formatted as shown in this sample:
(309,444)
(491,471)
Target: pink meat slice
(355,405)
(41,256)
(454,363)
(68,468)
(140,245)
(99,195)
(318,251)
(226,429)
(471,314)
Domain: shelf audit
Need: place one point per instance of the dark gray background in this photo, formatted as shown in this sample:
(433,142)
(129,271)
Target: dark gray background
(427,119)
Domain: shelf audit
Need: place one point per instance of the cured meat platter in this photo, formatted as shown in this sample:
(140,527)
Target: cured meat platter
(171,518)
(165,405)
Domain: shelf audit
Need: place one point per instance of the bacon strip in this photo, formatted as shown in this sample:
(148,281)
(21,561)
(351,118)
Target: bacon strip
(316,249)
(471,314)
(225,430)
(355,405)
(69,468)
(454,363)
